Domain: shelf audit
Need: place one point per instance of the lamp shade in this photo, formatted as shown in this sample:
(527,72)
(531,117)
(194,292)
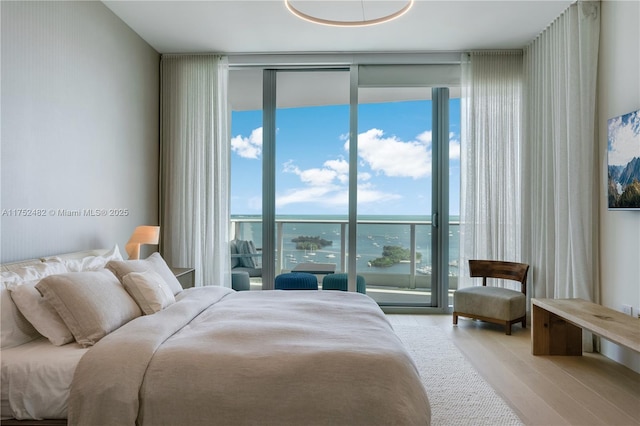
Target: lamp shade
(142,235)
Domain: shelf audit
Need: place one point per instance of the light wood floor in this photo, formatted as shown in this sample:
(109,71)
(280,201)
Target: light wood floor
(543,390)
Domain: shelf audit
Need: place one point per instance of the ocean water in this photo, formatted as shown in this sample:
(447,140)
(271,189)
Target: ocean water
(374,232)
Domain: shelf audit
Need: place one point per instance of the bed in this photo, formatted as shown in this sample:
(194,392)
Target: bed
(209,355)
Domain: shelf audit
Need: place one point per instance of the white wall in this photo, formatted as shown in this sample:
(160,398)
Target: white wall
(619,93)
(80,102)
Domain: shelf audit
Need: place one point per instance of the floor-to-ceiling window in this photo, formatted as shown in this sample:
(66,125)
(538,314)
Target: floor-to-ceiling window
(245,99)
(408,144)
(394,193)
(311,167)
(246,174)
(394,245)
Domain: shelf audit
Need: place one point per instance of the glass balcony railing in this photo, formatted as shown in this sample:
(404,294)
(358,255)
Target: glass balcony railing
(394,256)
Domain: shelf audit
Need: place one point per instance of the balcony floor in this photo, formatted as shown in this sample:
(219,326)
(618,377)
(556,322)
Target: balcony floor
(385,295)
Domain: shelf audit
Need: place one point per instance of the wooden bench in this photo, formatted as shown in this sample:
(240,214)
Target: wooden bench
(557,324)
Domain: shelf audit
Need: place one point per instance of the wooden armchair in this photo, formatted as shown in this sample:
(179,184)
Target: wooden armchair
(494,304)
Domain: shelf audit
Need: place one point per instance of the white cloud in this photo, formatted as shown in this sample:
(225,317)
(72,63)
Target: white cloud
(393,157)
(329,185)
(454,147)
(364,176)
(426,138)
(624,140)
(315,176)
(368,194)
(379,153)
(318,177)
(340,165)
(249,147)
(333,196)
(327,195)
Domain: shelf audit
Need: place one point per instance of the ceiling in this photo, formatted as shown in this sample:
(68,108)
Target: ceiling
(266,26)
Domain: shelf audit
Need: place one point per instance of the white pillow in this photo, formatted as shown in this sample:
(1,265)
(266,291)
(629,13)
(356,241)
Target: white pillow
(39,312)
(34,272)
(91,303)
(154,262)
(88,263)
(15,330)
(149,290)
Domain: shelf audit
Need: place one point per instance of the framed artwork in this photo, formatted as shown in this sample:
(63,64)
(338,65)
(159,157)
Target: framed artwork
(623,161)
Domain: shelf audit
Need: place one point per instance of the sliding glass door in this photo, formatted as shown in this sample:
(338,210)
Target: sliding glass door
(358,165)
(395,194)
(311,169)
(246,172)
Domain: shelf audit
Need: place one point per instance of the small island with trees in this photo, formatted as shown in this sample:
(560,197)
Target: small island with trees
(392,255)
(310,243)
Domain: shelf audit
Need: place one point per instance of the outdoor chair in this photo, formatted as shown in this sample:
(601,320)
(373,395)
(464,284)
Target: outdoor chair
(245,257)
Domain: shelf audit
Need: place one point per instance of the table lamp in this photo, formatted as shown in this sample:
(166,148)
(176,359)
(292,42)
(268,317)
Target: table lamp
(142,235)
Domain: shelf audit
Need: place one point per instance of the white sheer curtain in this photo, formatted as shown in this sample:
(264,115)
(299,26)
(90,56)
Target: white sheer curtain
(561,169)
(490,212)
(194,169)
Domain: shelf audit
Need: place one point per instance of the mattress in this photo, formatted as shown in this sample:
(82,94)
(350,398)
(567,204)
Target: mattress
(36,379)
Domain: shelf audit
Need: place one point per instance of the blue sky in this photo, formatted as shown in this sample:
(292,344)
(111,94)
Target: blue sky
(394,159)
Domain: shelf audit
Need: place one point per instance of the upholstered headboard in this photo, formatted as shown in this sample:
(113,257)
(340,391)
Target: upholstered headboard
(12,266)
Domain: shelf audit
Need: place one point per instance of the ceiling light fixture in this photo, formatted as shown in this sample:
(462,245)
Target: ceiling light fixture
(378,12)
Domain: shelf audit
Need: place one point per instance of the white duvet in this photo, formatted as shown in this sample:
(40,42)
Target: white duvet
(262,358)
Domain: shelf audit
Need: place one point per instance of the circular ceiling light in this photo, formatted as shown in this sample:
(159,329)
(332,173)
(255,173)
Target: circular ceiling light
(348,13)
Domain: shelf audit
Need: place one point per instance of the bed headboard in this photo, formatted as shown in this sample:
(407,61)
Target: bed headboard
(12,266)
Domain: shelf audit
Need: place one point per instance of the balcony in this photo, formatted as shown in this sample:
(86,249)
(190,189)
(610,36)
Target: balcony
(403,282)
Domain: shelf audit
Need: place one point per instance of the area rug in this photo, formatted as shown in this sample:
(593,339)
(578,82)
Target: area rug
(457,393)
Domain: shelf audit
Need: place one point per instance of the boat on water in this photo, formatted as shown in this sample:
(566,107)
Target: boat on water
(424,270)
(330,255)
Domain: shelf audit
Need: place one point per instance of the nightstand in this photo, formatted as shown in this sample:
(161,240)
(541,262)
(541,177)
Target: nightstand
(186,276)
